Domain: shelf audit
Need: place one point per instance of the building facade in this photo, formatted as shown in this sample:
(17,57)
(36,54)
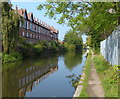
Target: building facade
(33,29)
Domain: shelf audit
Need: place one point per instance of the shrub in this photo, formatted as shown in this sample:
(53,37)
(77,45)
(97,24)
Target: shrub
(12,57)
(38,48)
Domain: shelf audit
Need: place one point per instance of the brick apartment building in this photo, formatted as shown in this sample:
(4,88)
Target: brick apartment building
(34,30)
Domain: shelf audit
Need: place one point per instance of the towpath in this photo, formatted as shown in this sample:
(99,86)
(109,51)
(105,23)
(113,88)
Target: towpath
(95,88)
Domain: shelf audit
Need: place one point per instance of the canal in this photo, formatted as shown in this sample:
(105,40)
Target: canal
(42,77)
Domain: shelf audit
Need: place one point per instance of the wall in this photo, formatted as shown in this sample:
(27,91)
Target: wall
(110,47)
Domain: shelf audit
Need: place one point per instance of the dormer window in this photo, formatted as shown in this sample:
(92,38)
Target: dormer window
(24,15)
(31,19)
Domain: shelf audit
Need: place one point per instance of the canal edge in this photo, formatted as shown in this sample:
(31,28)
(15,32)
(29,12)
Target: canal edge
(80,86)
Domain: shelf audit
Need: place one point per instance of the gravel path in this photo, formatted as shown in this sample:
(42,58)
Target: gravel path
(95,88)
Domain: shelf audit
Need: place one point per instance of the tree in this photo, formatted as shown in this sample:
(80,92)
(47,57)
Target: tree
(97,19)
(73,39)
(10,26)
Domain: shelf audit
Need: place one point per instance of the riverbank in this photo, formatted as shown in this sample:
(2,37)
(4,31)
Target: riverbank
(95,89)
(86,71)
(40,49)
(108,76)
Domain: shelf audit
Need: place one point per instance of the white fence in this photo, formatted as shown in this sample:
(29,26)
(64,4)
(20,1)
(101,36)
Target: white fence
(110,47)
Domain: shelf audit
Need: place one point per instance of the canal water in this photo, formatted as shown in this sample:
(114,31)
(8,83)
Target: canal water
(42,77)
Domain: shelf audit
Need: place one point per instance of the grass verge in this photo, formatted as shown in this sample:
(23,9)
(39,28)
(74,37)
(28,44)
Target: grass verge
(108,76)
(87,72)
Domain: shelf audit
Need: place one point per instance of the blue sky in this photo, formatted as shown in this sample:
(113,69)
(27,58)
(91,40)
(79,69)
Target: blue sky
(32,7)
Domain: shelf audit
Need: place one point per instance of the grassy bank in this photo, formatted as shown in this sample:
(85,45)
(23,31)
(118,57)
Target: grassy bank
(87,72)
(108,75)
(25,50)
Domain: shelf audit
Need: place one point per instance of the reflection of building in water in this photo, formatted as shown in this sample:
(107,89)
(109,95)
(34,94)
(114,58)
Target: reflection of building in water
(34,75)
(26,75)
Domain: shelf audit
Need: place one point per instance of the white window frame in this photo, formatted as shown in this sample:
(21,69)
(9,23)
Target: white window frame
(23,33)
(27,34)
(24,25)
(27,25)
(30,35)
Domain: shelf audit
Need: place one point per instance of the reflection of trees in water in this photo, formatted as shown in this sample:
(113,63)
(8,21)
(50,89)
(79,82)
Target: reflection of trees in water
(72,59)
(24,76)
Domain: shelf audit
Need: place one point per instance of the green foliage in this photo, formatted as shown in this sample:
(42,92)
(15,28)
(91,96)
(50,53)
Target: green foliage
(73,41)
(108,74)
(10,25)
(12,57)
(38,48)
(69,47)
(51,47)
(97,19)
(29,50)
(74,79)
(86,78)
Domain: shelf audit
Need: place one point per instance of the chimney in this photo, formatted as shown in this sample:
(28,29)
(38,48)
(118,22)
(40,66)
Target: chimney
(16,8)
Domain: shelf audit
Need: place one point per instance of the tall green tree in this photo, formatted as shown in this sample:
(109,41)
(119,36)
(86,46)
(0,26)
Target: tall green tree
(10,26)
(73,38)
(97,19)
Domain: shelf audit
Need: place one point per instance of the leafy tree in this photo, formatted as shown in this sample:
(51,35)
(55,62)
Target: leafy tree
(10,26)
(73,39)
(97,19)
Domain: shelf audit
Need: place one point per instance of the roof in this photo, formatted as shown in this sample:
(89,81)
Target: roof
(35,20)
(21,11)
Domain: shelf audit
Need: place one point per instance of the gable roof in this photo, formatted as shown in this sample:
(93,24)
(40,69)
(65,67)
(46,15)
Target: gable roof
(29,16)
(21,12)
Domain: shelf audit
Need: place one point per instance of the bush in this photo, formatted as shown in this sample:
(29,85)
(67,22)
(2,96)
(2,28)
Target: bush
(12,57)
(38,48)
(26,50)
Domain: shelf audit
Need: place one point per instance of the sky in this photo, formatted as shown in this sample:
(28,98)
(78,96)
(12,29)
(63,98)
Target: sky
(32,7)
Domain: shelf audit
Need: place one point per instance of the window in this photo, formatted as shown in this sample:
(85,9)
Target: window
(23,34)
(27,34)
(51,35)
(43,31)
(33,36)
(27,25)
(30,35)
(39,29)
(36,37)
(31,26)
(24,25)
(36,28)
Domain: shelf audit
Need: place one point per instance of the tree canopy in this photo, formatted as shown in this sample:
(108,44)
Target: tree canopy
(97,19)
(73,40)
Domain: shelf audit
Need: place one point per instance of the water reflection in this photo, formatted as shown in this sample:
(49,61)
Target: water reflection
(37,77)
(72,59)
(25,76)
